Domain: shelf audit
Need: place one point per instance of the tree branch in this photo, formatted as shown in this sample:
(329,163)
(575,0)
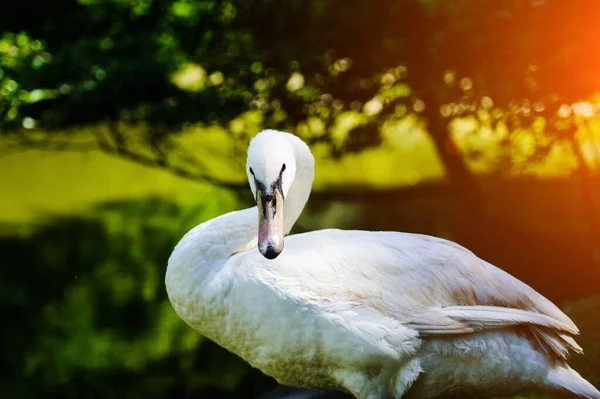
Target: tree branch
(176,170)
(121,151)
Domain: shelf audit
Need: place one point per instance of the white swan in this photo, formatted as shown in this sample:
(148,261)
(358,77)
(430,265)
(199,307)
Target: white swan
(374,314)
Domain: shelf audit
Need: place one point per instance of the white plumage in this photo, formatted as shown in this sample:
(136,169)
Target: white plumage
(375,314)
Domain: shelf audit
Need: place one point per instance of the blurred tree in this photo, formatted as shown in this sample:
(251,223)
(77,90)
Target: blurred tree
(86,312)
(163,65)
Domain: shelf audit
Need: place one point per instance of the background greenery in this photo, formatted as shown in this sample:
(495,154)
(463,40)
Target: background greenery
(124,123)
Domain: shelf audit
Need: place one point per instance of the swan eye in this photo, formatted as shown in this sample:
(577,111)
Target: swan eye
(282,168)
(251,172)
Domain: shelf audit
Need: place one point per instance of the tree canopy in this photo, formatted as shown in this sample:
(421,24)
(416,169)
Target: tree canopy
(300,65)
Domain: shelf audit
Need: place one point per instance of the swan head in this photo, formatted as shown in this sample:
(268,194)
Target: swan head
(271,169)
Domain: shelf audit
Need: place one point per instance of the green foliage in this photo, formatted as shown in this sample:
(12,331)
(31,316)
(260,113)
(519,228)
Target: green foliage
(584,314)
(120,60)
(85,306)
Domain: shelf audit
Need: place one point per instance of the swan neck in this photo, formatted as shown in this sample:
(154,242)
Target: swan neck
(197,273)
(301,187)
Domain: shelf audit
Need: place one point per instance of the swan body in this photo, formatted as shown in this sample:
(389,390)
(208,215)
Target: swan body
(374,314)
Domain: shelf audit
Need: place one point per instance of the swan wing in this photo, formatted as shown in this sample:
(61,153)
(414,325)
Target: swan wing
(429,284)
(477,318)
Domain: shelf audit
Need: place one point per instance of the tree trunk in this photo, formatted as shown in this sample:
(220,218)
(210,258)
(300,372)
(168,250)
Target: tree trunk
(588,196)
(459,176)
(472,217)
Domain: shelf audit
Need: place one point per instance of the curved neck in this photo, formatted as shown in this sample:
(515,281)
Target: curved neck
(300,190)
(219,238)
(204,250)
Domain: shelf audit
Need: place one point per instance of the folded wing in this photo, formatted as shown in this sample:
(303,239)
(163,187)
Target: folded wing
(431,285)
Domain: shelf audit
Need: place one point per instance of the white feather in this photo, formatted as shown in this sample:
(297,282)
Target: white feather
(376,314)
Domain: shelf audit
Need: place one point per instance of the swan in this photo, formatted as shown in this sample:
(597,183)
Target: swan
(372,314)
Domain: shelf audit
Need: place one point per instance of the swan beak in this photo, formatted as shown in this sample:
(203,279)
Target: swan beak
(270,223)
